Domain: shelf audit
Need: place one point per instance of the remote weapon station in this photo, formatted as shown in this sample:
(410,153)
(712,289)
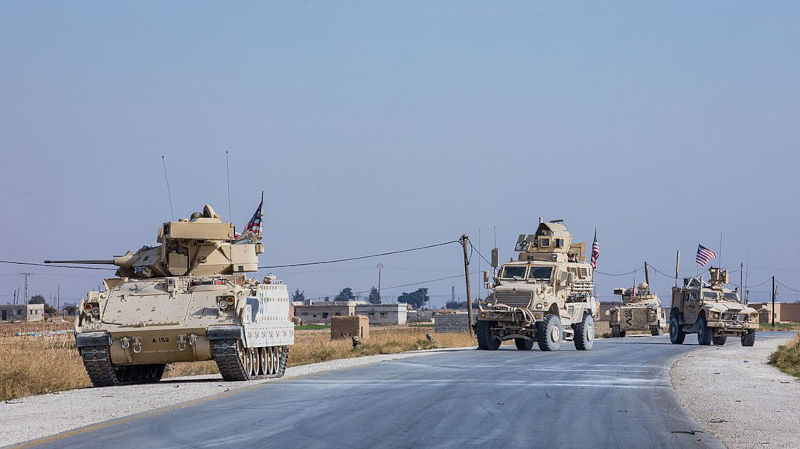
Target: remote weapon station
(545,296)
(187,299)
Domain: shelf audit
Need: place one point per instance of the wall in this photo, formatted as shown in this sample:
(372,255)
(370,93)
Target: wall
(383,313)
(450,322)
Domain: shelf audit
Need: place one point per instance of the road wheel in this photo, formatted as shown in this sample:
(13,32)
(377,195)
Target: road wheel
(703,332)
(584,333)
(615,331)
(676,333)
(719,340)
(550,333)
(523,344)
(749,339)
(486,341)
(655,330)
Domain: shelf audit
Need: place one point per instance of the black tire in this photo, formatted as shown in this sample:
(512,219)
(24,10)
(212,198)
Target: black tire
(623,333)
(655,330)
(584,333)
(523,344)
(485,339)
(676,333)
(749,339)
(719,340)
(704,333)
(615,331)
(550,333)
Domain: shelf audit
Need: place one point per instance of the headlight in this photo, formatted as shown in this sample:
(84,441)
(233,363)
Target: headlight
(715,315)
(488,304)
(539,306)
(483,315)
(96,311)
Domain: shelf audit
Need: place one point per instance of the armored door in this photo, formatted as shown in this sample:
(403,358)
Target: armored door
(691,306)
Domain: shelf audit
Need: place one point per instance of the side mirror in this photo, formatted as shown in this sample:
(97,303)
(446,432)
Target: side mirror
(486,276)
(495,258)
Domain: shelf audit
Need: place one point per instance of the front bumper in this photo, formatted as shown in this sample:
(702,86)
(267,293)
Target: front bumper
(733,326)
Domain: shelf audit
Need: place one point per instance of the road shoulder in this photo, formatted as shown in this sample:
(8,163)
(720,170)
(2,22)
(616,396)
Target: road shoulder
(35,417)
(735,395)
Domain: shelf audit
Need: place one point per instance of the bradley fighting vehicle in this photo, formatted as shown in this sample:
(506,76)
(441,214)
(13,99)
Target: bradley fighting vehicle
(187,299)
(712,311)
(545,296)
(640,310)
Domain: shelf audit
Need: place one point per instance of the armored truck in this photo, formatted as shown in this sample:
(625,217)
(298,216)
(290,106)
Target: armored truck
(712,311)
(640,311)
(187,299)
(545,296)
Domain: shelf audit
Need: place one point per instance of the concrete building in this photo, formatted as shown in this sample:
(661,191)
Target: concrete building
(21,312)
(785,312)
(384,313)
(321,312)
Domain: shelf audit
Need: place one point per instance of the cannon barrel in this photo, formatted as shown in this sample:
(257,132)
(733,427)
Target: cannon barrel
(84,261)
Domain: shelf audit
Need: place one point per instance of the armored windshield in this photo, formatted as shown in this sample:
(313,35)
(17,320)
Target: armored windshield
(732,296)
(541,273)
(709,295)
(513,273)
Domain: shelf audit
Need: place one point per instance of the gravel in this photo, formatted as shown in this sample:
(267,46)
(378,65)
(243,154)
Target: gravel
(40,416)
(735,395)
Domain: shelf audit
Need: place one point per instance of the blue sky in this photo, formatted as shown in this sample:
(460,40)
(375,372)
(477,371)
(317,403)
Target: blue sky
(380,126)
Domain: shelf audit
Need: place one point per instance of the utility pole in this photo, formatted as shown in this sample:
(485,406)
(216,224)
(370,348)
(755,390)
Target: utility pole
(646,274)
(773,301)
(464,239)
(58,300)
(380,270)
(27,276)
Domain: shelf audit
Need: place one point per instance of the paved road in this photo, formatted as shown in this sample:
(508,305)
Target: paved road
(616,395)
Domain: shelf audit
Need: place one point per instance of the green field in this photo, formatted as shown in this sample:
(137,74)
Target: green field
(312,326)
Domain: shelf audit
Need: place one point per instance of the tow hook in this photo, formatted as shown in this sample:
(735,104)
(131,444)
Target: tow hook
(181,342)
(192,339)
(125,342)
(137,345)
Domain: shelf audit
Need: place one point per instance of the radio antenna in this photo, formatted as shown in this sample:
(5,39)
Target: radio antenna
(228,172)
(169,193)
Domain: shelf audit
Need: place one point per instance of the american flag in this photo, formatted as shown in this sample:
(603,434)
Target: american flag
(254,225)
(595,250)
(704,255)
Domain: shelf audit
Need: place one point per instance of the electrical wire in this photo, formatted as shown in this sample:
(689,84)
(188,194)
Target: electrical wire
(389,253)
(479,253)
(617,274)
(786,286)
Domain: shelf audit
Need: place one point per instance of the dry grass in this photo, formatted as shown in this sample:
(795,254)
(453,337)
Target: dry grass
(787,357)
(30,366)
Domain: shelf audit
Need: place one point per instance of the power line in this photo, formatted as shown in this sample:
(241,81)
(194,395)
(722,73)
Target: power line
(360,257)
(479,253)
(786,286)
(616,274)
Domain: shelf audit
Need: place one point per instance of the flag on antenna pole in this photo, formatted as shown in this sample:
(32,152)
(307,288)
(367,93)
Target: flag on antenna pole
(704,255)
(253,227)
(595,250)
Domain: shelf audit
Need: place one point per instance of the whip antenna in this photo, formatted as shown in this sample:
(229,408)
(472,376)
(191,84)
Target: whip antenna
(228,172)
(169,193)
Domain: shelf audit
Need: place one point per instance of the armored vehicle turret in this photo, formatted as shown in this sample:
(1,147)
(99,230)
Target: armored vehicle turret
(640,310)
(545,296)
(712,311)
(187,299)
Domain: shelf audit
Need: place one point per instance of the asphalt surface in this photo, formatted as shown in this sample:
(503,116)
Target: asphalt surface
(618,395)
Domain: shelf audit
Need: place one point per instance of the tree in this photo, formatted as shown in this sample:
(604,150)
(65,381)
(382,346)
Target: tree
(417,299)
(37,299)
(345,295)
(374,296)
(71,309)
(298,295)
(50,310)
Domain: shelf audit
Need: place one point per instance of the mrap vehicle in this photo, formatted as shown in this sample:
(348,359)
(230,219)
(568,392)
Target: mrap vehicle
(543,297)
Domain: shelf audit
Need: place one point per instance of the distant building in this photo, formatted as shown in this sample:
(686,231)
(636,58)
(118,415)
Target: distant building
(384,313)
(21,312)
(321,312)
(785,312)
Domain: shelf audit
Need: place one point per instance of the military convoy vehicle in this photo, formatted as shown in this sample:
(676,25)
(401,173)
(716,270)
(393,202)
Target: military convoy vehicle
(545,296)
(712,311)
(187,299)
(640,310)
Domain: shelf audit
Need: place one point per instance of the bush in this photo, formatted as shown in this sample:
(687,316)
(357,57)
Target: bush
(787,357)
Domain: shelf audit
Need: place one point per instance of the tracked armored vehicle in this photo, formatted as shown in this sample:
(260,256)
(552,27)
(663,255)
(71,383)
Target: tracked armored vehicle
(712,311)
(543,297)
(187,299)
(640,311)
